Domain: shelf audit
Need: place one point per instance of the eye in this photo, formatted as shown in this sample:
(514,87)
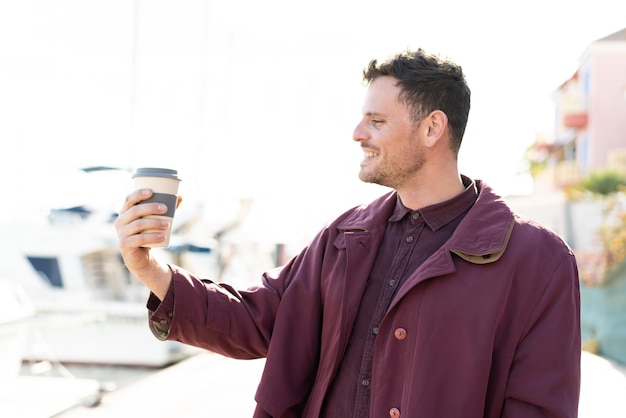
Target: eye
(376,122)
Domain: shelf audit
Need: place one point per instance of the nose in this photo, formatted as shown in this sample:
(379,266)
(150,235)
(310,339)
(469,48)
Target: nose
(359,134)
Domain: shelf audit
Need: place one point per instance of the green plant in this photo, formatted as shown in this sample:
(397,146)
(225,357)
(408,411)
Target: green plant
(610,187)
(604,183)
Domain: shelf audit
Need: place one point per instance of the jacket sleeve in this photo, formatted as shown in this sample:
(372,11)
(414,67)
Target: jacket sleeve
(544,379)
(215,316)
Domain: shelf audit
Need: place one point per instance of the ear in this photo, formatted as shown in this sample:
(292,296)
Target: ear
(436,125)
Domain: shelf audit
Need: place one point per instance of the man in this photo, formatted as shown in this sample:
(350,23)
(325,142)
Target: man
(434,300)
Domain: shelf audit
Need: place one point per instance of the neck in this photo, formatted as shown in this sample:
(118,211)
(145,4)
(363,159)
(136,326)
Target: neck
(431,189)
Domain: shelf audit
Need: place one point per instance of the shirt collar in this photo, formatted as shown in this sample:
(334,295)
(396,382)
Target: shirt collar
(439,214)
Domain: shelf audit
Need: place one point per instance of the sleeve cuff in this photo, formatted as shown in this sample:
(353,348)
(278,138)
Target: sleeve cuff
(160,313)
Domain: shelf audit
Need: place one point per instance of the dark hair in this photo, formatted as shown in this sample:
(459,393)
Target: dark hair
(428,83)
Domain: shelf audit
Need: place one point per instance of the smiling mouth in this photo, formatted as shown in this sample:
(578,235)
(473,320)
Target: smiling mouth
(370,154)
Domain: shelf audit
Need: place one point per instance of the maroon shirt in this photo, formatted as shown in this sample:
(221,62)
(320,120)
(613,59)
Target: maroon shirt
(410,238)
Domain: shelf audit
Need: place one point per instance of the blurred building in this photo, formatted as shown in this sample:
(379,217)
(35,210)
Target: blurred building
(590,118)
(589,136)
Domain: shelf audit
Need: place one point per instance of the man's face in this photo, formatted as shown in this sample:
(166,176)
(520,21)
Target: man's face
(392,150)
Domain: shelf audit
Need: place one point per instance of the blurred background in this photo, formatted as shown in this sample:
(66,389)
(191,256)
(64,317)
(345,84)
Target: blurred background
(258,99)
(254,104)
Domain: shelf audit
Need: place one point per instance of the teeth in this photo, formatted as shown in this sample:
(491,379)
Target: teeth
(370,154)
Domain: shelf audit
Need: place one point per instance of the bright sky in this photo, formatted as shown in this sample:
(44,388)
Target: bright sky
(257,99)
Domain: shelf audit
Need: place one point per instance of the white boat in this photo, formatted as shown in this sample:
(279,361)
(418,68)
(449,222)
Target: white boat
(89,308)
(16,311)
(54,394)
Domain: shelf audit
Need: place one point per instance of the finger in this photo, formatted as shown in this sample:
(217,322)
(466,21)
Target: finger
(143,225)
(138,219)
(131,210)
(140,241)
(141,232)
(136,197)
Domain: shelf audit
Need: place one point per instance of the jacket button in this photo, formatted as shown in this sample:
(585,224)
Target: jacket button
(400,334)
(394,413)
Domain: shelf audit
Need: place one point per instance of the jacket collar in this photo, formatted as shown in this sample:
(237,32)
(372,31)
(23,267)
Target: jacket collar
(480,238)
(484,233)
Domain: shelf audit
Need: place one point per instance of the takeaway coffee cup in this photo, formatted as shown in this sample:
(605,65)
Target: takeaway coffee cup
(164,184)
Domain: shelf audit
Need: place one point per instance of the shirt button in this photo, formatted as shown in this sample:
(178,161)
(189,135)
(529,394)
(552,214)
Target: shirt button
(415,215)
(375,330)
(400,334)
(170,314)
(409,239)
(394,413)
(391,282)
(365,382)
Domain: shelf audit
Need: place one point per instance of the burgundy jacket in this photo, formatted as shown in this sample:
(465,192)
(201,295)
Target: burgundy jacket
(488,326)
